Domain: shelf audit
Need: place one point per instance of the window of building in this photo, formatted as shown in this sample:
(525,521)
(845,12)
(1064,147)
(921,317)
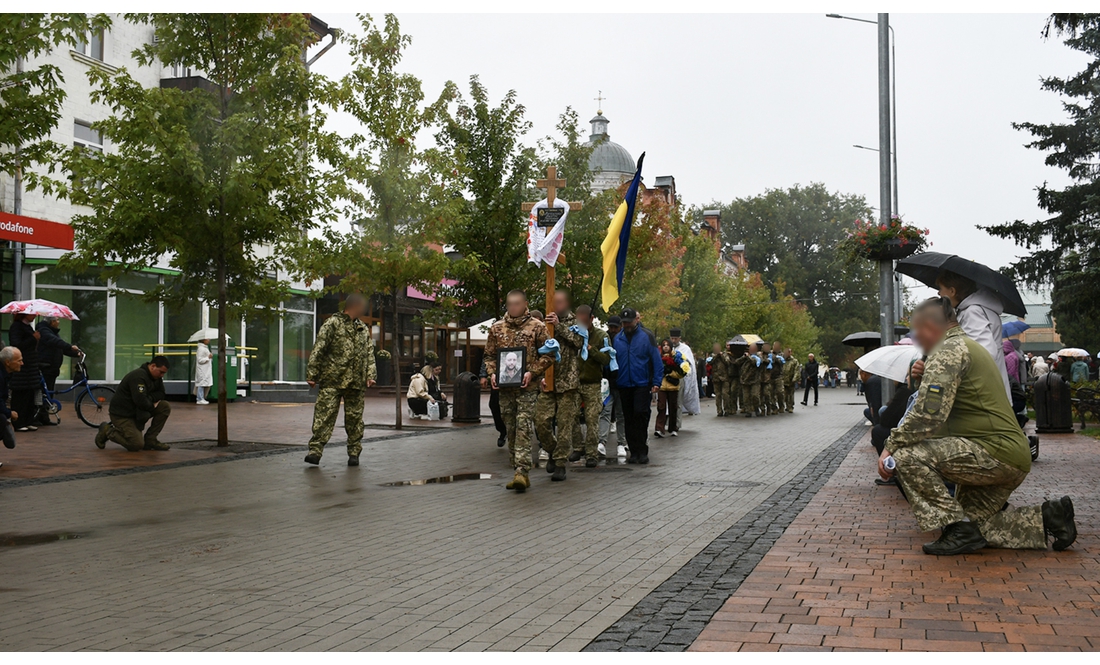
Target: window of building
(86,137)
(180,321)
(91,45)
(297,343)
(179,71)
(140,325)
(263,335)
(89,333)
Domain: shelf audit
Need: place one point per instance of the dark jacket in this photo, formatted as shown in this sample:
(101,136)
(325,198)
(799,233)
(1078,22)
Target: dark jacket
(21,336)
(639,360)
(592,369)
(810,372)
(51,348)
(5,410)
(872,390)
(136,394)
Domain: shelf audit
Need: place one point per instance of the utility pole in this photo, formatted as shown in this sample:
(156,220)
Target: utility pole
(885,185)
(17,208)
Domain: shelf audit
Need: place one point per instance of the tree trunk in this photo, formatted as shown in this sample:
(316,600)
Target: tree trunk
(223,406)
(396,360)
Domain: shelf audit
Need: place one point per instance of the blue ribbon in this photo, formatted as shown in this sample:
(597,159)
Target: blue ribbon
(583,332)
(551,347)
(614,366)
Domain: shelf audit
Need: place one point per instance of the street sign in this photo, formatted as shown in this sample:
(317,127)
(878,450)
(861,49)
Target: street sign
(31,231)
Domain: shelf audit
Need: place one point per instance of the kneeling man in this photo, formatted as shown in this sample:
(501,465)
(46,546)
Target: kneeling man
(962,430)
(139,398)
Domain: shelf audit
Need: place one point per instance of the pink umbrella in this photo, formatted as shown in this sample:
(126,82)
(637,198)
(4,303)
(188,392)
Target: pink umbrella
(39,307)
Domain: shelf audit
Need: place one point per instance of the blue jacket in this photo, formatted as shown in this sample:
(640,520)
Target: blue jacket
(639,360)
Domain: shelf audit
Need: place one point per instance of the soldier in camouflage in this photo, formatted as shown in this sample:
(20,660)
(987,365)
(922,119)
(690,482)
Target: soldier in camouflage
(751,371)
(961,429)
(341,366)
(779,388)
(591,377)
(518,329)
(791,371)
(737,359)
(720,379)
(562,404)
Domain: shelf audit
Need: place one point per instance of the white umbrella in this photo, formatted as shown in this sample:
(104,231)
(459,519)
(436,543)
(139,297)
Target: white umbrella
(1074,352)
(891,362)
(205,333)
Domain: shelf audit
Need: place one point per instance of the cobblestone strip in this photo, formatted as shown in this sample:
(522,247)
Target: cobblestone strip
(671,616)
(23,482)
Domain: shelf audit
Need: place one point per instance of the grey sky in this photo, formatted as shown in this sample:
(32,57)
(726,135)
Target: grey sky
(734,104)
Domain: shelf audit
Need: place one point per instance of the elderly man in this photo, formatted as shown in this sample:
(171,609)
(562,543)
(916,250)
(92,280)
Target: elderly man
(11,360)
(961,429)
(342,367)
(139,399)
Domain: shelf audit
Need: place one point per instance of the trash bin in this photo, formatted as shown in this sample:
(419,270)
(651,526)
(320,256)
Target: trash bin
(467,399)
(1053,408)
(230,375)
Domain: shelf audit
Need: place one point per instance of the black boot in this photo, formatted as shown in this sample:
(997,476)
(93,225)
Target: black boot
(957,538)
(576,455)
(313,458)
(501,441)
(559,474)
(551,466)
(1058,522)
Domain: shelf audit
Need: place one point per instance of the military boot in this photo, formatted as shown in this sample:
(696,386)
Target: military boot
(102,434)
(576,455)
(313,458)
(520,482)
(957,538)
(156,445)
(559,473)
(1058,522)
(551,465)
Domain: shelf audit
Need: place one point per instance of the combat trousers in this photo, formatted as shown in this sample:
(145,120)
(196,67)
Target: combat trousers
(126,432)
(566,408)
(750,397)
(517,407)
(733,400)
(789,392)
(324,418)
(613,410)
(721,396)
(766,397)
(982,486)
(780,390)
(593,407)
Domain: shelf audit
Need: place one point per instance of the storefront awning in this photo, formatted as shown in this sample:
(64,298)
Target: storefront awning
(31,231)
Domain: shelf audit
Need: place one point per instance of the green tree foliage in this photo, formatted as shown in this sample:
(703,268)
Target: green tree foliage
(1064,248)
(31,95)
(496,171)
(790,237)
(401,198)
(209,179)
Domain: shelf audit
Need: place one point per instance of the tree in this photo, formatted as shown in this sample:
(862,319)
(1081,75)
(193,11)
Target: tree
(213,178)
(790,237)
(1064,249)
(31,98)
(496,172)
(401,199)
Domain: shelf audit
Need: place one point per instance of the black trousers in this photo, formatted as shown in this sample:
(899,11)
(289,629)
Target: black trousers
(419,406)
(494,408)
(22,402)
(50,375)
(636,410)
(806,393)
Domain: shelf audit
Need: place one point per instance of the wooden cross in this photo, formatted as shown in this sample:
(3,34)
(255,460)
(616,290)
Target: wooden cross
(551,183)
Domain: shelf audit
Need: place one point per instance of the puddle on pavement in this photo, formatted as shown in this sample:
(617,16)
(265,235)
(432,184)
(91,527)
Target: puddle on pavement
(441,479)
(27,539)
(723,484)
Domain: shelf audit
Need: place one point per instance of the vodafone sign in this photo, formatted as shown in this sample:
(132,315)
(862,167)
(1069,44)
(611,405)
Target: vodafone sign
(35,231)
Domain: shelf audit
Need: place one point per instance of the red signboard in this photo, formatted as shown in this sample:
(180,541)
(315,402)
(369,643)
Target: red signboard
(35,231)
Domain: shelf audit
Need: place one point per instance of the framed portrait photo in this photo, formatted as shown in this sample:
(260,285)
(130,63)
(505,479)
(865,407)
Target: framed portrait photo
(511,365)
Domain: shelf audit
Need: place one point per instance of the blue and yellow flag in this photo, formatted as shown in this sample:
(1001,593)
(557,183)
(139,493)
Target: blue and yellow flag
(614,246)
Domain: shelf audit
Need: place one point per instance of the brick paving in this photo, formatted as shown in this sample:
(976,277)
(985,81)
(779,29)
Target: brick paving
(263,553)
(849,574)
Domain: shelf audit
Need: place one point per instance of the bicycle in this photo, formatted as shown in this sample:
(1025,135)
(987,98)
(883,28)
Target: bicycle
(91,403)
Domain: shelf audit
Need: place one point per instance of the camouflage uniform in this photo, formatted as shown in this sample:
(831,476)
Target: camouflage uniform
(751,371)
(778,388)
(564,402)
(517,405)
(720,378)
(961,429)
(766,384)
(591,376)
(791,371)
(735,401)
(341,363)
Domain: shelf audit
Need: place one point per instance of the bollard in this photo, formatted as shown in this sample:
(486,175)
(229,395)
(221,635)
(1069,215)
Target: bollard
(467,399)
(1053,406)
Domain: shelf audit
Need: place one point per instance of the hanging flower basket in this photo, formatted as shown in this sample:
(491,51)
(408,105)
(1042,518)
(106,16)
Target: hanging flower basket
(882,242)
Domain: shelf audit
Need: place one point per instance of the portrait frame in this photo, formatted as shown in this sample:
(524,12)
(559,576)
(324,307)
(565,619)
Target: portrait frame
(506,377)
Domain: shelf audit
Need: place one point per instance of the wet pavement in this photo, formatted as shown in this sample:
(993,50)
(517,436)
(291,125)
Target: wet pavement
(265,552)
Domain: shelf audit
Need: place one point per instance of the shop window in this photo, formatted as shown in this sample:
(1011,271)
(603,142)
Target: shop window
(297,343)
(180,321)
(264,335)
(137,324)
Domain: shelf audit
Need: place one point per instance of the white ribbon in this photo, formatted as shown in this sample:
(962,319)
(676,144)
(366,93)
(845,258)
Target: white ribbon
(544,244)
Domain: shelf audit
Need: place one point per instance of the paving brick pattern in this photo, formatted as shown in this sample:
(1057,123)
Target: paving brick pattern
(848,574)
(673,615)
(265,554)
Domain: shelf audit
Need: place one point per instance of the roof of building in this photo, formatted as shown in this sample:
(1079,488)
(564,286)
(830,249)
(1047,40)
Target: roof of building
(607,156)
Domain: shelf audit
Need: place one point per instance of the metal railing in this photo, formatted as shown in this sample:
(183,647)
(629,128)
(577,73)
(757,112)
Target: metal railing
(189,348)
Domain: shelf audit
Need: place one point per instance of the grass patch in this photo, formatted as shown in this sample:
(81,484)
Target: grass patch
(1094,432)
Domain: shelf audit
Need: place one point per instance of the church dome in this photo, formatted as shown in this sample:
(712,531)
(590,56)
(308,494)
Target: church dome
(607,157)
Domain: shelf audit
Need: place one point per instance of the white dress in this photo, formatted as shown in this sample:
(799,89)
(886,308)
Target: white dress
(204,368)
(689,392)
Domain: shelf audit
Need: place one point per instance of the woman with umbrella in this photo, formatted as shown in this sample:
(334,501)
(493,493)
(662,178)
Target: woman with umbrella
(24,383)
(204,365)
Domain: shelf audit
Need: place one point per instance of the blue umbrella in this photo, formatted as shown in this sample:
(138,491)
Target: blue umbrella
(1013,328)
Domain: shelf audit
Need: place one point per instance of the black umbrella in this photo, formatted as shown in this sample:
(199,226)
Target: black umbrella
(870,339)
(927,266)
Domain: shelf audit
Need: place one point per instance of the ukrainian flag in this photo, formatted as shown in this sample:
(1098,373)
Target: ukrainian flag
(615,244)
